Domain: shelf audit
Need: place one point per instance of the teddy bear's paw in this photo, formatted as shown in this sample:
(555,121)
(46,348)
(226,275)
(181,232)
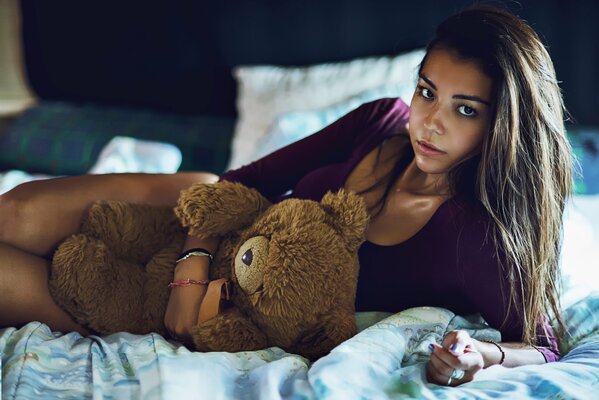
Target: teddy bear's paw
(219,208)
(71,276)
(98,290)
(228,332)
(159,273)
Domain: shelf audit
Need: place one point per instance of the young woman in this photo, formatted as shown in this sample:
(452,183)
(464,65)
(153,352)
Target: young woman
(466,190)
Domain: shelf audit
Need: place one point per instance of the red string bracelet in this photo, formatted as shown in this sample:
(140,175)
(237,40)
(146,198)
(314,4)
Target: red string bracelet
(187,282)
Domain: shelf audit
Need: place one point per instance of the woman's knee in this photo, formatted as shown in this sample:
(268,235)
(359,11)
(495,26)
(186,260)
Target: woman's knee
(23,208)
(33,221)
(11,210)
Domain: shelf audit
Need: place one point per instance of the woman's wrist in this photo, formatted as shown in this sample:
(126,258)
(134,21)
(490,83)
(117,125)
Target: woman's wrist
(193,268)
(491,353)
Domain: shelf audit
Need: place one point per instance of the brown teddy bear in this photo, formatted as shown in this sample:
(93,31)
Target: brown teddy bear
(291,267)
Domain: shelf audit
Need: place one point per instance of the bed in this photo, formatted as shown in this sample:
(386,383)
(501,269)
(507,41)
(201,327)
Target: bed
(385,360)
(265,78)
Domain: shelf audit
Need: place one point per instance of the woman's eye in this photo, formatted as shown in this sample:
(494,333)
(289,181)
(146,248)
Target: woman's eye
(467,111)
(425,92)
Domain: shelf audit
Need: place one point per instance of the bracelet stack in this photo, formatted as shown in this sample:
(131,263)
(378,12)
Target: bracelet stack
(196,251)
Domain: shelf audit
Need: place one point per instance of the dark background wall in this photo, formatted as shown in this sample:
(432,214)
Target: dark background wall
(177,55)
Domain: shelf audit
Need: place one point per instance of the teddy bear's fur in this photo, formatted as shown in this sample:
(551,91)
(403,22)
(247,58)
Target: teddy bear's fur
(296,293)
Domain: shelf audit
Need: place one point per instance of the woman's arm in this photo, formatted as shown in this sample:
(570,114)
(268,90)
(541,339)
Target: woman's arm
(459,358)
(184,301)
(486,287)
(514,354)
(278,172)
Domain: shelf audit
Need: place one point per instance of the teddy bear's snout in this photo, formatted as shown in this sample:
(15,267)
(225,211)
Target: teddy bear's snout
(250,263)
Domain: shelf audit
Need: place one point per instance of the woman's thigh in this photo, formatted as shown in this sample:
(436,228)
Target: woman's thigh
(25,295)
(37,216)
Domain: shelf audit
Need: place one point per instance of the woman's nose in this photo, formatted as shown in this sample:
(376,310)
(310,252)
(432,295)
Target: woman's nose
(433,123)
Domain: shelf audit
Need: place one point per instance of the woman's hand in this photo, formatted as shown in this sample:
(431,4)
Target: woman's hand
(457,353)
(184,302)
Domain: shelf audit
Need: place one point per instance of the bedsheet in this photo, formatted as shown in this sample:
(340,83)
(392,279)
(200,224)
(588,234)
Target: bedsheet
(385,360)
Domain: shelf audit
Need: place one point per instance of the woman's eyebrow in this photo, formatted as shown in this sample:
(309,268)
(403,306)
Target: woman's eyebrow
(456,96)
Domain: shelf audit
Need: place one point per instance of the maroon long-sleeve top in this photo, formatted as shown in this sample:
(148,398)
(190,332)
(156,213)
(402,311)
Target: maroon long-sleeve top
(451,262)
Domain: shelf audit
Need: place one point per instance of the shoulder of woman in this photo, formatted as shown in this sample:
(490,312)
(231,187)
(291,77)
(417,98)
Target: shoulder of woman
(386,109)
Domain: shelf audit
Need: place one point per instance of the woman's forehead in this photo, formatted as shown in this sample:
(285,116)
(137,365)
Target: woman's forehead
(448,72)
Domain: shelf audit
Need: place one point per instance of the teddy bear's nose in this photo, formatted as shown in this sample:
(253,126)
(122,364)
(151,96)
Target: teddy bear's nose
(247,257)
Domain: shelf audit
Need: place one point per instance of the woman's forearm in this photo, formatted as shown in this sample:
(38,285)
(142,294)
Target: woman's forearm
(184,301)
(196,267)
(516,354)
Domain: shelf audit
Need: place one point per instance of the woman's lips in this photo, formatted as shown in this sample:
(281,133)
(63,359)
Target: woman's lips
(428,149)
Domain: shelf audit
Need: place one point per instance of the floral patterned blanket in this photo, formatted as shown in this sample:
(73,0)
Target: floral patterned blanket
(385,360)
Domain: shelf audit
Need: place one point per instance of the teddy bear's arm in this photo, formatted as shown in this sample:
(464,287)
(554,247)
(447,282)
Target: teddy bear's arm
(228,331)
(219,208)
(330,331)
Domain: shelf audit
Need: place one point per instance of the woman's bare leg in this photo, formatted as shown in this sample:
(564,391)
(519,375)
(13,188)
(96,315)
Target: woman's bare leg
(25,296)
(37,216)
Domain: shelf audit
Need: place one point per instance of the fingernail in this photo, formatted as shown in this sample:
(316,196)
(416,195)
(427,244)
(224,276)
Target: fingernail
(456,349)
(431,347)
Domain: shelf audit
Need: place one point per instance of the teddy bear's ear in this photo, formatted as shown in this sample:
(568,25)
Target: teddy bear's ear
(348,215)
(214,209)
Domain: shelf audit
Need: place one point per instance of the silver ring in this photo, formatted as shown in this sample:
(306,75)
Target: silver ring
(449,381)
(457,374)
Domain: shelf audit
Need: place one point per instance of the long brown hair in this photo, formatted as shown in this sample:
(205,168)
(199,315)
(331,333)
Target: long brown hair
(523,174)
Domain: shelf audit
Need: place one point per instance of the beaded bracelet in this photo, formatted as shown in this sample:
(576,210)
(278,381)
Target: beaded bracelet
(196,251)
(188,282)
(499,348)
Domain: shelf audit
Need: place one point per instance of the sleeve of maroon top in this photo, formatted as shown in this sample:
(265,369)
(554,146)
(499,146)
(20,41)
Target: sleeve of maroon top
(278,172)
(487,288)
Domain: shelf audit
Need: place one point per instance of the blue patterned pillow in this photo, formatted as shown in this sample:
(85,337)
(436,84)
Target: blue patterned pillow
(65,138)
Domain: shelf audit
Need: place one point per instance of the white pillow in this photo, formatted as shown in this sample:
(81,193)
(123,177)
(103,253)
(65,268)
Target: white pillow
(265,91)
(580,248)
(292,126)
(127,154)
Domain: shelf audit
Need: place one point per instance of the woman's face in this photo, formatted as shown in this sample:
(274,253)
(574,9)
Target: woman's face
(450,111)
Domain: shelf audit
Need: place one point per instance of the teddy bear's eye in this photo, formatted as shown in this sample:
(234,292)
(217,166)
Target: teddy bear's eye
(247,257)
(251,262)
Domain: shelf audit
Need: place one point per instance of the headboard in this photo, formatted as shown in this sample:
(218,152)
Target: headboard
(162,69)
(177,55)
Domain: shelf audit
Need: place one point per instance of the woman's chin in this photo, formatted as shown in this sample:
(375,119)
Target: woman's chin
(429,166)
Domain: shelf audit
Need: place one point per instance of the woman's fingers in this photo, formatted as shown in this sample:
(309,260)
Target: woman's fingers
(446,364)
(441,365)
(456,342)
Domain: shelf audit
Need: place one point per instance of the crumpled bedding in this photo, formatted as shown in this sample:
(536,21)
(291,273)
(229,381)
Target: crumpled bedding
(121,154)
(385,360)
